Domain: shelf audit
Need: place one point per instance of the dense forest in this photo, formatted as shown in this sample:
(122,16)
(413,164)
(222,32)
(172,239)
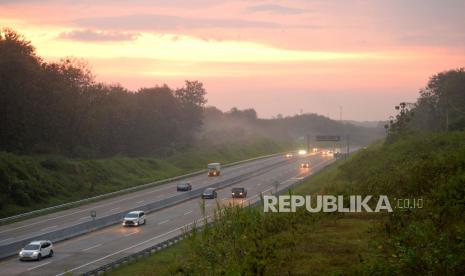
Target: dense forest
(49,107)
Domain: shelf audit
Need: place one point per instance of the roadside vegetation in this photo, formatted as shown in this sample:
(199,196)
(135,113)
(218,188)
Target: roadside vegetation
(422,158)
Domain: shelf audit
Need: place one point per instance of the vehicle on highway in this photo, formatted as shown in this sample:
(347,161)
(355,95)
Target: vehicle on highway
(209,193)
(305,165)
(289,155)
(302,152)
(214,169)
(134,218)
(327,153)
(36,250)
(184,186)
(239,193)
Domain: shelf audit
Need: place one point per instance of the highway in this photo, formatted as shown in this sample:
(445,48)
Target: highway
(83,253)
(54,221)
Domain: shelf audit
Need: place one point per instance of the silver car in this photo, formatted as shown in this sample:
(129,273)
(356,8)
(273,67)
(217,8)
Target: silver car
(36,250)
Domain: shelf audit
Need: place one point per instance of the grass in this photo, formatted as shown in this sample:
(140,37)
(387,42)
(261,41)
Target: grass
(33,182)
(335,246)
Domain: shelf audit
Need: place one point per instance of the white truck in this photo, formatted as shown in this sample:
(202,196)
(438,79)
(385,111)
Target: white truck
(214,169)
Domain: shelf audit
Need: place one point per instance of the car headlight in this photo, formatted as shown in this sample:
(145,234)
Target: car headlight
(21,253)
(35,253)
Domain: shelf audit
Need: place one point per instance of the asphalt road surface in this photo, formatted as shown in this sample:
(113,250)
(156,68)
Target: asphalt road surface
(83,253)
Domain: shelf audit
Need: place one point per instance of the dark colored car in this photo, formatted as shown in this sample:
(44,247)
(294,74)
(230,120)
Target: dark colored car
(239,193)
(209,193)
(185,186)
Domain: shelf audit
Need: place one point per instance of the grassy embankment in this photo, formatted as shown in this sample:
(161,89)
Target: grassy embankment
(32,182)
(417,241)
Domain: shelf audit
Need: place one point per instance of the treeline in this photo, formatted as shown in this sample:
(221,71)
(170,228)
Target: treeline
(58,107)
(440,107)
(244,124)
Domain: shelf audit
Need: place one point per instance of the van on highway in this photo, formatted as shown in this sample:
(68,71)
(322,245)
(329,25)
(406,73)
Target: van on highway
(214,169)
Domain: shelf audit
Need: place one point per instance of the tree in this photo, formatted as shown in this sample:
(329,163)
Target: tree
(440,107)
(19,89)
(192,100)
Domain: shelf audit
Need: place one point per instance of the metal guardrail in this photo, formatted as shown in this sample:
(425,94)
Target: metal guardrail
(144,253)
(89,226)
(124,191)
(162,245)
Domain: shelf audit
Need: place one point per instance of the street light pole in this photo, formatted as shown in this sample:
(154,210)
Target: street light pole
(308,143)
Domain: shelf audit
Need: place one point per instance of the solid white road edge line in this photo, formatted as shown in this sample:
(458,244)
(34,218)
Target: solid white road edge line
(37,266)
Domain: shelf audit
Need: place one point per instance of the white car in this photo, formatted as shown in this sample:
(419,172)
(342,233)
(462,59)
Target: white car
(36,250)
(134,218)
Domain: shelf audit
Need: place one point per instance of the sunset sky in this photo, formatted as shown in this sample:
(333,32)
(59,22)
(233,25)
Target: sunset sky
(274,56)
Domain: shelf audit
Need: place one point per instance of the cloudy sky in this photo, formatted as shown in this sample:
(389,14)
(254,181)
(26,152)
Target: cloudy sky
(275,56)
